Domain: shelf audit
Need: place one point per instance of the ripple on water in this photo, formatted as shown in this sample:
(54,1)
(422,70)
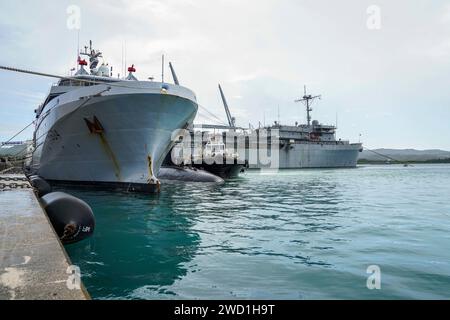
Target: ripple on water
(295,235)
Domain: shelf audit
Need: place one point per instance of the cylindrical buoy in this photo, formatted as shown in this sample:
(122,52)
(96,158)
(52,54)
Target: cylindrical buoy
(27,171)
(40,185)
(72,218)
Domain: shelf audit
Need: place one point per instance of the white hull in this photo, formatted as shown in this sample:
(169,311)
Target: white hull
(137,129)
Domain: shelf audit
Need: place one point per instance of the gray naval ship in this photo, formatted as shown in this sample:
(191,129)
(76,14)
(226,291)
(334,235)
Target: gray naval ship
(310,145)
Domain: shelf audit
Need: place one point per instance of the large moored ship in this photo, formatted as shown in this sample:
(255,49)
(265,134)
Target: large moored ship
(93,129)
(311,145)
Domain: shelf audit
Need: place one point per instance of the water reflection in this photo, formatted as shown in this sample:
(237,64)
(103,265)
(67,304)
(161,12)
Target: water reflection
(138,242)
(242,215)
(310,233)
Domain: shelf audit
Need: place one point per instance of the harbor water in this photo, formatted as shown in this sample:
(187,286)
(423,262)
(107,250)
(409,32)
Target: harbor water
(305,234)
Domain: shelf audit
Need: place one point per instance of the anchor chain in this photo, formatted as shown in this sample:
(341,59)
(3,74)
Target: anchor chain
(7,182)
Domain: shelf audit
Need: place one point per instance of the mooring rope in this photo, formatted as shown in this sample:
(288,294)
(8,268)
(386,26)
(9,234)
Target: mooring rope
(388,157)
(9,140)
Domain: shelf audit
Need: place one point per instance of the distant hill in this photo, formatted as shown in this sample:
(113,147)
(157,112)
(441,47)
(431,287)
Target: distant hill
(405,155)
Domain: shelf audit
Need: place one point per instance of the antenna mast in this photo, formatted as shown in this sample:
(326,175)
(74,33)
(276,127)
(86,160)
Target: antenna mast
(336,120)
(78,47)
(278,114)
(162,69)
(307,100)
(125,60)
(122,67)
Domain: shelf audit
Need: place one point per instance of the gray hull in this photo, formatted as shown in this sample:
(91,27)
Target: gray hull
(316,155)
(187,174)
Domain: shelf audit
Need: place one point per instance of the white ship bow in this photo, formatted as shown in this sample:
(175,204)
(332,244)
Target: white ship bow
(112,135)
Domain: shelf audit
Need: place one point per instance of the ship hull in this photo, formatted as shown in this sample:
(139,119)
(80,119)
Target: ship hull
(113,141)
(225,171)
(316,155)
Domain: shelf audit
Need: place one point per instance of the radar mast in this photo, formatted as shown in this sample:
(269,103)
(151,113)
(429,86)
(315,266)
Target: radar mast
(307,100)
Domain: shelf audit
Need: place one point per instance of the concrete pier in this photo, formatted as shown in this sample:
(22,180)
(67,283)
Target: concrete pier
(33,262)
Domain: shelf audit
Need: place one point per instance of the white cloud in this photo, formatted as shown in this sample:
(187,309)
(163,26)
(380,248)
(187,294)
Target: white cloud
(440,50)
(445,18)
(261,51)
(247,76)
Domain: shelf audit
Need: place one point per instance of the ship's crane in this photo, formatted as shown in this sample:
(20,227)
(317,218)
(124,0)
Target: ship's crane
(174,75)
(231,120)
(307,100)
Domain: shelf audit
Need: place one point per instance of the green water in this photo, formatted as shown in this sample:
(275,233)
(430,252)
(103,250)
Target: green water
(295,235)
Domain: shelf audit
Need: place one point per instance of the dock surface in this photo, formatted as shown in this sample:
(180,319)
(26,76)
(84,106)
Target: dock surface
(33,263)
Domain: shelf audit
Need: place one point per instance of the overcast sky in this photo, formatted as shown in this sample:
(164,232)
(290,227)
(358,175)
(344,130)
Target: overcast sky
(391,85)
